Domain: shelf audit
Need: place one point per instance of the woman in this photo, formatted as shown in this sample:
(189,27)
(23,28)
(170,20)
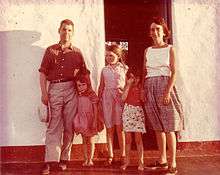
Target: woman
(163,108)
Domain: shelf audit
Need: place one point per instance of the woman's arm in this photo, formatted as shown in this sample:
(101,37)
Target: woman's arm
(144,73)
(172,77)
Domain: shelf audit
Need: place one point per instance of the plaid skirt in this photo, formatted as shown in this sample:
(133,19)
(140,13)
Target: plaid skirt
(165,118)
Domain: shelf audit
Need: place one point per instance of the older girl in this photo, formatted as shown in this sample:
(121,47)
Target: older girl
(110,90)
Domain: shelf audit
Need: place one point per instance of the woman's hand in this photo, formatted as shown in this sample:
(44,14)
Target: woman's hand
(166,98)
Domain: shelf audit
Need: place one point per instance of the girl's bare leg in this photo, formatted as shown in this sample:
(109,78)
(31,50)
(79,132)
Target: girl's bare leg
(110,134)
(121,139)
(127,150)
(140,150)
(92,150)
(85,151)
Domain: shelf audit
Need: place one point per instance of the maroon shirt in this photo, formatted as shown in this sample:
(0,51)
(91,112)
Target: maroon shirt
(134,96)
(60,63)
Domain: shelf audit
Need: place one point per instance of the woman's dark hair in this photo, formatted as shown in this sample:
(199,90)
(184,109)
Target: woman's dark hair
(160,21)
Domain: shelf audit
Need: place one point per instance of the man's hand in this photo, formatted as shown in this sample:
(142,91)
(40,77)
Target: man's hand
(45,98)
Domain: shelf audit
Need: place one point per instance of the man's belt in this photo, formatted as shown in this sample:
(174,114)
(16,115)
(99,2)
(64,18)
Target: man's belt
(61,80)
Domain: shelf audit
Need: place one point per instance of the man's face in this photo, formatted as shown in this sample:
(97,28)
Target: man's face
(66,32)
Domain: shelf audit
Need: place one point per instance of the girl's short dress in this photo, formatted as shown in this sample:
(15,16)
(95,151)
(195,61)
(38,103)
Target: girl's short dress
(133,114)
(84,122)
(114,79)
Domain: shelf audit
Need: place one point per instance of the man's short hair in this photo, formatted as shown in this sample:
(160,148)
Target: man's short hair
(67,22)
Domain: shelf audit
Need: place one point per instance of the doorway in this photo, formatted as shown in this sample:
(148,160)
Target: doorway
(127,22)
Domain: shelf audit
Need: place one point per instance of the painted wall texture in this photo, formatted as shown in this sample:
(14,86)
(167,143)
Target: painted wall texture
(26,29)
(196,28)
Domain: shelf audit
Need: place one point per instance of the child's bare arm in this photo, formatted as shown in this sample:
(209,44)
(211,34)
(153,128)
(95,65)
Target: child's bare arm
(127,88)
(101,86)
(95,110)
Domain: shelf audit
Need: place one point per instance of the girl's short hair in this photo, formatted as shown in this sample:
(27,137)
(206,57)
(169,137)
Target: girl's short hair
(160,21)
(83,77)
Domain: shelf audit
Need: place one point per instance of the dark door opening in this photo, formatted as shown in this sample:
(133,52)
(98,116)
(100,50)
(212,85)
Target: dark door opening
(128,21)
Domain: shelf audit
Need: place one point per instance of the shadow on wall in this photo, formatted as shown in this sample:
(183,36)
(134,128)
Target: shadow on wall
(16,51)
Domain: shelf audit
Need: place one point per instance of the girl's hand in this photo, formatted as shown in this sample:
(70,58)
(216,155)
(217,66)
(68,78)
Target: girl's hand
(166,98)
(75,72)
(130,81)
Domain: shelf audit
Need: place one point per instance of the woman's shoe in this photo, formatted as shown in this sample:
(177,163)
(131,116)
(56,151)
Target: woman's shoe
(156,165)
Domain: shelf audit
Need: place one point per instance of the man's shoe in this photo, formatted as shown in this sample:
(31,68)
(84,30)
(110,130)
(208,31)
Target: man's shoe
(46,169)
(63,164)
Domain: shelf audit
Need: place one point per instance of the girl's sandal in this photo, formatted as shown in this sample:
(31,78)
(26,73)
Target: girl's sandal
(85,163)
(141,167)
(110,160)
(172,170)
(90,163)
(124,167)
(123,160)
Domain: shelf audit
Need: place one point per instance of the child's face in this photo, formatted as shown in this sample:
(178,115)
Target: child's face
(111,58)
(82,87)
(156,31)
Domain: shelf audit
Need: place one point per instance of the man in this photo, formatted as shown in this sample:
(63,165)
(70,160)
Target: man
(59,65)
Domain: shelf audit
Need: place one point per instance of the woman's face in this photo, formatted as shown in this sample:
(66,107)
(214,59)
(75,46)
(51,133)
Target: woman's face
(111,58)
(82,87)
(156,32)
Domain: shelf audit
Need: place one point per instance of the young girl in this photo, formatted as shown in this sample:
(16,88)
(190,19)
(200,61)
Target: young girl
(110,89)
(133,117)
(88,121)
(163,106)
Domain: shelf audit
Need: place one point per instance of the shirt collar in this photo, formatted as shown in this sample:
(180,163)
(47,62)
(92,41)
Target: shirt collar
(70,47)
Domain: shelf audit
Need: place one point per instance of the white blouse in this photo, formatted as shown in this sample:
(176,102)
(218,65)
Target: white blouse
(158,61)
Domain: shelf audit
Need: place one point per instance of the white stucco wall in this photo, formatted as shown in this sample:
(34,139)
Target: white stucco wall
(196,28)
(26,29)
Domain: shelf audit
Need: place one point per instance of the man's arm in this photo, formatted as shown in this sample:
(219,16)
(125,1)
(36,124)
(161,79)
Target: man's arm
(43,86)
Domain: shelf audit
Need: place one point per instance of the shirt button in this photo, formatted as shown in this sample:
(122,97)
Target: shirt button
(61,74)
(61,66)
(62,59)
